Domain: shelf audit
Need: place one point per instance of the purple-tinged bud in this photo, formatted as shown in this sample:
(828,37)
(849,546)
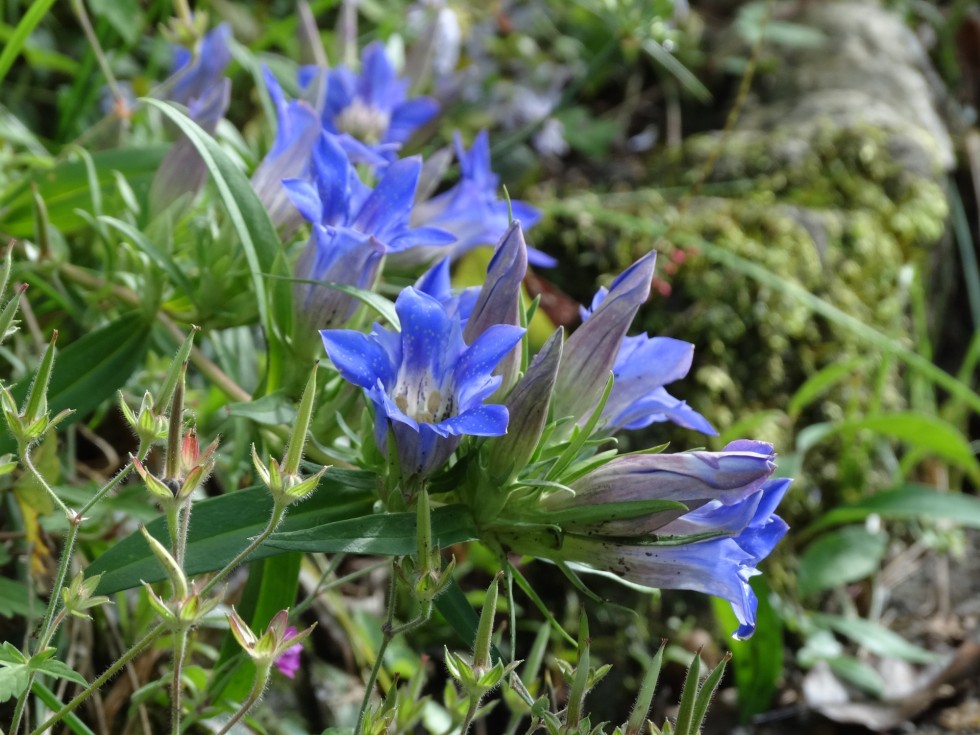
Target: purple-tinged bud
(591,351)
(499,301)
(527,406)
(183,171)
(692,478)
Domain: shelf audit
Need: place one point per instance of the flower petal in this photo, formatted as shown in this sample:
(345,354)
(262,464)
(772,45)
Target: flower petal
(489,420)
(360,359)
(409,116)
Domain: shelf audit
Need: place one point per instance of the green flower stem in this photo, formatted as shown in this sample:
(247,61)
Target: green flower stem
(21,702)
(388,632)
(51,620)
(116,480)
(261,679)
(470,714)
(324,586)
(180,648)
(278,512)
(184,514)
(132,653)
(25,456)
(48,621)
(93,40)
(173,525)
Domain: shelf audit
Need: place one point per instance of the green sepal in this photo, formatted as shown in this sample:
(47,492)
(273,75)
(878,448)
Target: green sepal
(170,565)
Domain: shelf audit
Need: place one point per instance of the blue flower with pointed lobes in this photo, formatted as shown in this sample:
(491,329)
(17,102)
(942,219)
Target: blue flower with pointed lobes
(590,353)
(183,170)
(425,382)
(643,366)
(336,199)
(297,134)
(196,75)
(747,531)
(371,111)
(472,209)
(197,81)
(436,283)
(695,479)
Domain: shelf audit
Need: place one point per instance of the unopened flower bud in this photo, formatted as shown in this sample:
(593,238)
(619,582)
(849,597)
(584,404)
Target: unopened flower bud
(499,300)
(591,351)
(527,406)
(169,564)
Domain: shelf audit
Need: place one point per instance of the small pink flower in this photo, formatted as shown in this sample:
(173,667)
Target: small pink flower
(288,661)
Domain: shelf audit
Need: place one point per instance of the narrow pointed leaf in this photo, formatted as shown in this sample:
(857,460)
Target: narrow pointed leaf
(222,526)
(90,370)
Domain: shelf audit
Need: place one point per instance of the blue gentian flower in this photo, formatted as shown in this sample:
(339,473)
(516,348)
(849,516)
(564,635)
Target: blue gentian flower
(696,479)
(195,76)
(721,566)
(746,532)
(472,209)
(436,283)
(353,226)
(425,382)
(336,198)
(371,112)
(591,351)
(296,136)
(182,170)
(644,365)
(198,82)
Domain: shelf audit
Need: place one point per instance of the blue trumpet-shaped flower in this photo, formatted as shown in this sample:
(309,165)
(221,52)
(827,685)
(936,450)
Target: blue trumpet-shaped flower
(427,385)
(720,566)
(746,531)
(195,76)
(472,209)
(695,479)
(353,226)
(643,366)
(197,81)
(289,157)
(371,111)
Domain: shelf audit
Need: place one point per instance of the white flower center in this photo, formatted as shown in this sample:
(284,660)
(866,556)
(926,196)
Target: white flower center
(367,124)
(423,401)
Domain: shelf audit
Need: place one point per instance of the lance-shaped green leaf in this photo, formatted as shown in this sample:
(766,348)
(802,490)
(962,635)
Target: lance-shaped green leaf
(387,534)
(222,527)
(66,192)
